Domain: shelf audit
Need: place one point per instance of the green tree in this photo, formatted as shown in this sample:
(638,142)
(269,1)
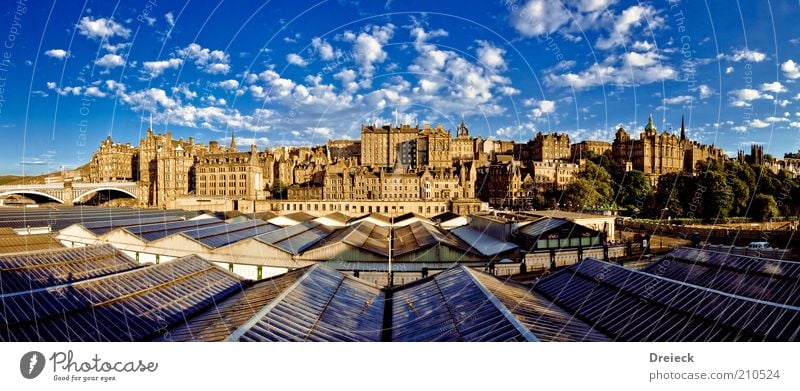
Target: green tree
(764,207)
(718,196)
(634,191)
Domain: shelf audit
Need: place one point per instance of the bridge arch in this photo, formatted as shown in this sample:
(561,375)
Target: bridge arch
(99,189)
(34,192)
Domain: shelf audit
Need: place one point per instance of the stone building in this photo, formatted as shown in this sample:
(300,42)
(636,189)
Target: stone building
(654,154)
(166,167)
(114,162)
(230,174)
(657,154)
(599,148)
(552,146)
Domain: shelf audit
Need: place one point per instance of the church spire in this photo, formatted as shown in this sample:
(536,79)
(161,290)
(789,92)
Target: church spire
(233,141)
(683,130)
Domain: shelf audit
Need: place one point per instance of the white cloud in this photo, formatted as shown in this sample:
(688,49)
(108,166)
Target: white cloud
(170,19)
(156,68)
(347,77)
(757,123)
(794,124)
(643,46)
(229,84)
(748,55)
(95,92)
(296,59)
(368,46)
(209,61)
(539,17)
(56,53)
(678,100)
(101,28)
(633,16)
(491,56)
(705,91)
(728,70)
(776,119)
(604,74)
(743,97)
(323,48)
(110,61)
(791,69)
(775,87)
(543,107)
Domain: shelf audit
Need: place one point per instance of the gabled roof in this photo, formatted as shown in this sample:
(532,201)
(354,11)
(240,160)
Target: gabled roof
(460,304)
(363,234)
(150,232)
(39,269)
(225,234)
(418,235)
(484,243)
(297,238)
(23,243)
(130,306)
(764,279)
(321,305)
(633,305)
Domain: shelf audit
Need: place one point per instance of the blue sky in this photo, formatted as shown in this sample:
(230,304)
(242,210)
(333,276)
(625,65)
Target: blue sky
(299,73)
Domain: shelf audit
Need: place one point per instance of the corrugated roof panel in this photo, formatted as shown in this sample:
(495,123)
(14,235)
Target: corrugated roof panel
(152,232)
(450,306)
(635,306)
(129,306)
(296,238)
(322,305)
(218,322)
(484,243)
(103,226)
(541,226)
(24,243)
(22,272)
(764,279)
(546,320)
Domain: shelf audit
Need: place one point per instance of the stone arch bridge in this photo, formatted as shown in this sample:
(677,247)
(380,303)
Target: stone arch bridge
(68,193)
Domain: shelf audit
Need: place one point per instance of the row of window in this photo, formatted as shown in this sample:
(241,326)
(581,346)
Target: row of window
(317,207)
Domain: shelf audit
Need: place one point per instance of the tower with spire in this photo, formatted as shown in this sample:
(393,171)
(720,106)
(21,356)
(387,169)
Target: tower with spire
(233,141)
(683,130)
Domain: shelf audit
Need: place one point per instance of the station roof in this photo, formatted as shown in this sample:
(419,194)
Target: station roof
(104,226)
(763,279)
(21,243)
(150,232)
(484,243)
(39,269)
(633,305)
(461,304)
(419,235)
(321,305)
(296,238)
(363,234)
(61,217)
(133,305)
(222,235)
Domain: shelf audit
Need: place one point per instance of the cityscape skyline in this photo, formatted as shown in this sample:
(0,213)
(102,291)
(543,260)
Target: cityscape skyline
(298,76)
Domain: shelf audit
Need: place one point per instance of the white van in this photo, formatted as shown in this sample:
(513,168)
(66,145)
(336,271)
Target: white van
(758,246)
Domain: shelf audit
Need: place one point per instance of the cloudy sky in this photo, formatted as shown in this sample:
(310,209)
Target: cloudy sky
(299,73)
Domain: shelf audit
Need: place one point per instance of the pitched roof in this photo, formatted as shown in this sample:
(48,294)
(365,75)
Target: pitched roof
(130,306)
(39,269)
(632,305)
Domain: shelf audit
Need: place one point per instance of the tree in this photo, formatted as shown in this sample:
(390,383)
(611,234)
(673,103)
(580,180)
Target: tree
(634,191)
(600,182)
(279,190)
(582,193)
(764,207)
(718,200)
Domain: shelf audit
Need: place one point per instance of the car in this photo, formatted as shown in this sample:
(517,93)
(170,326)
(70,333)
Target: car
(758,246)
